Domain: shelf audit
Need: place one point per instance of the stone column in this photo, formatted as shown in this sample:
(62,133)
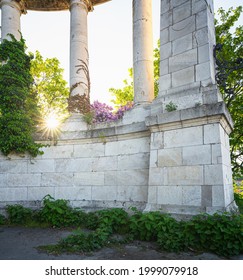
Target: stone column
(11,12)
(143,51)
(79,55)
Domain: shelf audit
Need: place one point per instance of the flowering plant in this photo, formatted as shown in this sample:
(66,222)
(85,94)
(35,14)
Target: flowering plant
(102,112)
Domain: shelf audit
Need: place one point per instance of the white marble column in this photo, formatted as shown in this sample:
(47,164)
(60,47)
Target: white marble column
(79,55)
(143,69)
(11,13)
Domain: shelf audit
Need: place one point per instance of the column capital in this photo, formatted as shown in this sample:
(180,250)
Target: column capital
(17,4)
(87,4)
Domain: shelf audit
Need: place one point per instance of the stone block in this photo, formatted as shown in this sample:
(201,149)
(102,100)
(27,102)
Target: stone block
(166,20)
(218,199)
(89,150)
(153,160)
(205,71)
(165,51)
(89,179)
(41,165)
(57,179)
(185,175)
(213,174)
(165,82)
(191,195)
(13,194)
(213,134)
(182,12)
(157,140)
(156,176)
(136,161)
(183,77)
(74,193)
(38,193)
(175,3)
(152,195)
(24,180)
(182,28)
(204,53)
(183,137)
(200,37)
(13,166)
(170,157)
(132,193)
(164,67)
(3,180)
(197,155)
(105,163)
(164,36)
(198,5)
(130,146)
(201,19)
(206,196)
(64,151)
(182,44)
(73,165)
(127,178)
(169,195)
(105,193)
(182,61)
(165,6)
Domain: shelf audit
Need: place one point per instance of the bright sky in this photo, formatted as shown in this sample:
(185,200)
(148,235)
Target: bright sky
(110,40)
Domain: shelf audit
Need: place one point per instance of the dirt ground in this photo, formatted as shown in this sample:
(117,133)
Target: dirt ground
(19,243)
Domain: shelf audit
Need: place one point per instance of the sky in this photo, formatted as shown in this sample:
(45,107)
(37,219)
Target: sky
(109,35)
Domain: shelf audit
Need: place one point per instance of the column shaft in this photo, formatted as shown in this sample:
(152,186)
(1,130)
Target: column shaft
(79,55)
(143,69)
(10,22)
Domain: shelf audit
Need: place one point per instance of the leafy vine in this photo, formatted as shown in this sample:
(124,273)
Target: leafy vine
(16,123)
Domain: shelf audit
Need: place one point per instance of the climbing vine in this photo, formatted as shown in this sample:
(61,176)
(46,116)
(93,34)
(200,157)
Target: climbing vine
(16,121)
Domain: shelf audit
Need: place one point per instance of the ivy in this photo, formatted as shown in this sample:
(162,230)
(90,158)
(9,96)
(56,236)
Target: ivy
(17,124)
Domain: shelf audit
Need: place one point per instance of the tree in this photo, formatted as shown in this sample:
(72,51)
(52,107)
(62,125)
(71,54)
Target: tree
(230,78)
(126,94)
(49,87)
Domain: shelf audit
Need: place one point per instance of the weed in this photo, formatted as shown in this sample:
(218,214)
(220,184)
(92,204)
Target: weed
(171,107)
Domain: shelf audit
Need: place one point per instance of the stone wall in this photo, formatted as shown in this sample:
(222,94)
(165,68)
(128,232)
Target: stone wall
(177,162)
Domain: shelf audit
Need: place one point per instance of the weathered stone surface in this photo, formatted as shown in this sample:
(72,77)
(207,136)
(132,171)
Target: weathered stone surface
(185,175)
(183,77)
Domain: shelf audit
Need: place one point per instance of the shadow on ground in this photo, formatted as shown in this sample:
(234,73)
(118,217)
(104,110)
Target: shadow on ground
(19,243)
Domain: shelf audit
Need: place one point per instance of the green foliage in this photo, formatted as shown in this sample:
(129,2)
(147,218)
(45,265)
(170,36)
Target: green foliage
(16,123)
(2,220)
(58,213)
(221,233)
(49,87)
(218,233)
(238,195)
(171,107)
(231,39)
(145,226)
(18,215)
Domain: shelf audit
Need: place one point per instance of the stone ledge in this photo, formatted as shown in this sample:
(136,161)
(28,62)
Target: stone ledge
(203,113)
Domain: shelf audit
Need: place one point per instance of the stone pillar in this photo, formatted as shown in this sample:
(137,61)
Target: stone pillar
(79,55)
(187,68)
(11,12)
(143,51)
